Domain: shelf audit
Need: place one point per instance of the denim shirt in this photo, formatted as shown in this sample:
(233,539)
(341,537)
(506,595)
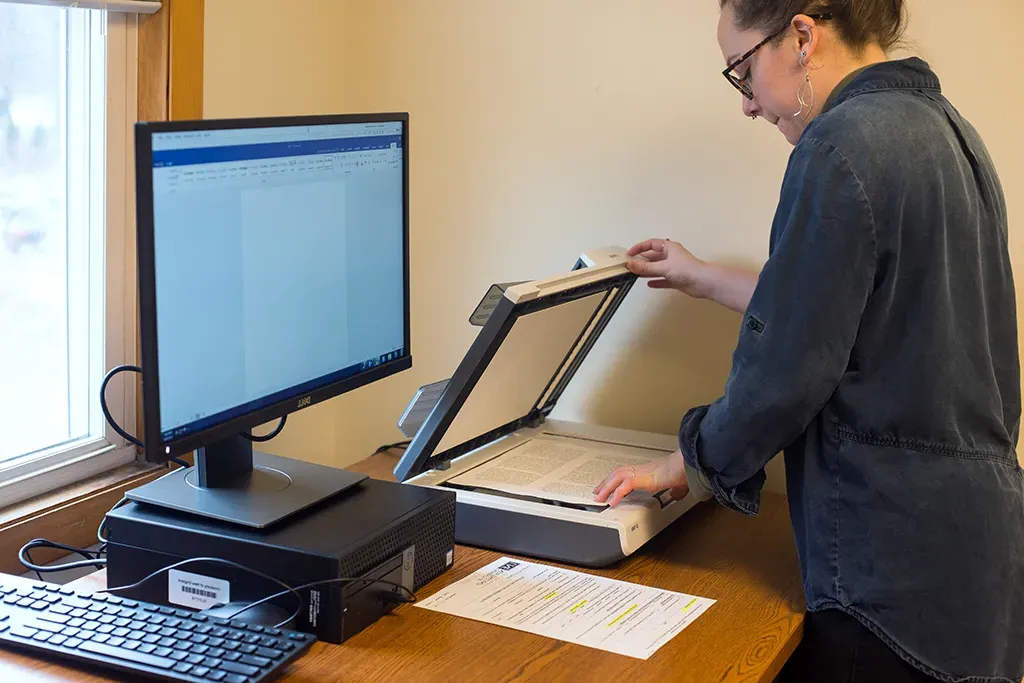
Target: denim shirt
(879,352)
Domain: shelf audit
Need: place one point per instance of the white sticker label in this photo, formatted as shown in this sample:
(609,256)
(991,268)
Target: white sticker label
(196,591)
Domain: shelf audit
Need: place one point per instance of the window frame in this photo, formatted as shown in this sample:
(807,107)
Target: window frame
(65,464)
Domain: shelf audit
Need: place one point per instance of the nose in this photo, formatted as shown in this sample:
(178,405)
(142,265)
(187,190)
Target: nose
(750,107)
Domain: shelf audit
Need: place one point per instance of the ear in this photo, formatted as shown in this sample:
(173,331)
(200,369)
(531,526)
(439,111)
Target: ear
(807,38)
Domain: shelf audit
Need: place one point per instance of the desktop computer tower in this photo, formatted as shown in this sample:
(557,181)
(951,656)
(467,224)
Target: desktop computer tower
(375,530)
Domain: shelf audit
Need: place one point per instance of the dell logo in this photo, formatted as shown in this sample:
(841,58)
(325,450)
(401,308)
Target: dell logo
(305,401)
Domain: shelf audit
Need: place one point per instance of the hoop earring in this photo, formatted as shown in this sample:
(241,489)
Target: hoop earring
(802,95)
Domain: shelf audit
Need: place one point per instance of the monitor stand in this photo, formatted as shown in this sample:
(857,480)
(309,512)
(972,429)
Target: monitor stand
(232,483)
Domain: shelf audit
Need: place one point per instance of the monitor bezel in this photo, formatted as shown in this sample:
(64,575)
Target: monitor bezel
(157,449)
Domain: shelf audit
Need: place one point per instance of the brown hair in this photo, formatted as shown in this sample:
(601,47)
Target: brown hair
(859,22)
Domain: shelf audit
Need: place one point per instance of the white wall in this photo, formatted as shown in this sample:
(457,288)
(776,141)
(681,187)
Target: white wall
(543,127)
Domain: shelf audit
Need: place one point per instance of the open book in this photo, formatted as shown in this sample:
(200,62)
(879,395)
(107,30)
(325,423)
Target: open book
(557,468)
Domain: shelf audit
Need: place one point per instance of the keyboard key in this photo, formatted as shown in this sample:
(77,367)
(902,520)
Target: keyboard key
(127,613)
(78,613)
(216,652)
(55,618)
(252,638)
(72,642)
(112,609)
(42,636)
(236,668)
(131,645)
(199,638)
(12,599)
(100,638)
(200,671)
(195,659)
(50,588)
(106,619)
(247,649)
(166,631)
(77,603)
(39,586)
(99,597)
(219,621)
(150,628)
(235,678)
(25,602)
(46,626)
(51,598)
(3,617)
(116,642)
(152,639)
(70,632)
(37,595)
(230,645)
(254,660)
(147,648)
(7,590)
(152,608)
(211,662)
(204,629)
(269,652)
(122,622)
(114,600)
(219,632)
(167,642)
(232,656)
(121,632)
(128,655)
(182,667)
(188,626)
(166,610)
(184,614)
(65,591)
(169,621)
(129,603)
(136,634)
(274,631)
(198,617)
(106,628)
(178,656)
(4,627)
(60,609)
(270,642)
(163,651)
(157,619)
(255,627)
(215,642)
(216,676)
(200,649)
(78,623)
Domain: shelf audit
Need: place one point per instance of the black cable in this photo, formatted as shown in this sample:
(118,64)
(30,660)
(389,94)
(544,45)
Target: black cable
(103,402)
(313,584)
(179,462)
(25,557)
(260,439)
(388,447)
(212,560)
(103,522)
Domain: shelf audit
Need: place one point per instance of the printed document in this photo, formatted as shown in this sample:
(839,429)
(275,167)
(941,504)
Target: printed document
(561,469)
(593,611)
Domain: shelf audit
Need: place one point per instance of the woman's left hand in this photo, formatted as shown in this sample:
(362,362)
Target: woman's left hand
(666,473)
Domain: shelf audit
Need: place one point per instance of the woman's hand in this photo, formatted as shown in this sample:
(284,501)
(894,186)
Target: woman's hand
(671,266)
(666,473)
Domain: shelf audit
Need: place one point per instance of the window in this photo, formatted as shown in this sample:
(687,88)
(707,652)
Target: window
(67,281)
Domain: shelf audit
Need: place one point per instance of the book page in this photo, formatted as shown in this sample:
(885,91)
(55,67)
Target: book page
(562,469)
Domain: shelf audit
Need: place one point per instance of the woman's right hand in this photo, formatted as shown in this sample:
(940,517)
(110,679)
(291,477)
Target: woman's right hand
(670,266)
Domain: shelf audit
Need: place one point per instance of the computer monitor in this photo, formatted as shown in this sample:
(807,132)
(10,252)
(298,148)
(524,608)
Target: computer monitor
(273,275)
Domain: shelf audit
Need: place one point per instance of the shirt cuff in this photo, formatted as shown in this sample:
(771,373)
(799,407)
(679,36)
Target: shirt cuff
(698,488)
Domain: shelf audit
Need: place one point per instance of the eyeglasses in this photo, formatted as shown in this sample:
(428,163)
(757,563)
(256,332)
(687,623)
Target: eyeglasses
(742,83)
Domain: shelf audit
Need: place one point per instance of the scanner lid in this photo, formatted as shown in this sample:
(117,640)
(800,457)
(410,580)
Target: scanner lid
(521,361)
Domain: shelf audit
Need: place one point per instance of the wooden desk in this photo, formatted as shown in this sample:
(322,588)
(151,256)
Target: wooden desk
(748,565)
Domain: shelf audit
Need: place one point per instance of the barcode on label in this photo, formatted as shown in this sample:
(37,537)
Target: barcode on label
(195,590)
(198,591)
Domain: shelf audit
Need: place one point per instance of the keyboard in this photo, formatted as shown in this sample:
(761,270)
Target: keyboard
(143,639)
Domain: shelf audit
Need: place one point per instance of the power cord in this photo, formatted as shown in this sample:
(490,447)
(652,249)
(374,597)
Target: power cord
(288,590)
(133,440)
(387,447)
(92,559)
(326,582)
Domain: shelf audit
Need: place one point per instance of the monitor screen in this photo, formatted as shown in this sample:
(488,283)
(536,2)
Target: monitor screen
(279,256)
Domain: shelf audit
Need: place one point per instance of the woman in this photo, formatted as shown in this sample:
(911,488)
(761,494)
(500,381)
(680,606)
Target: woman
(878,350)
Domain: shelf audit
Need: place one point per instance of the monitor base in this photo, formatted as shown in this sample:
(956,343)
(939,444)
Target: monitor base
(274,489)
